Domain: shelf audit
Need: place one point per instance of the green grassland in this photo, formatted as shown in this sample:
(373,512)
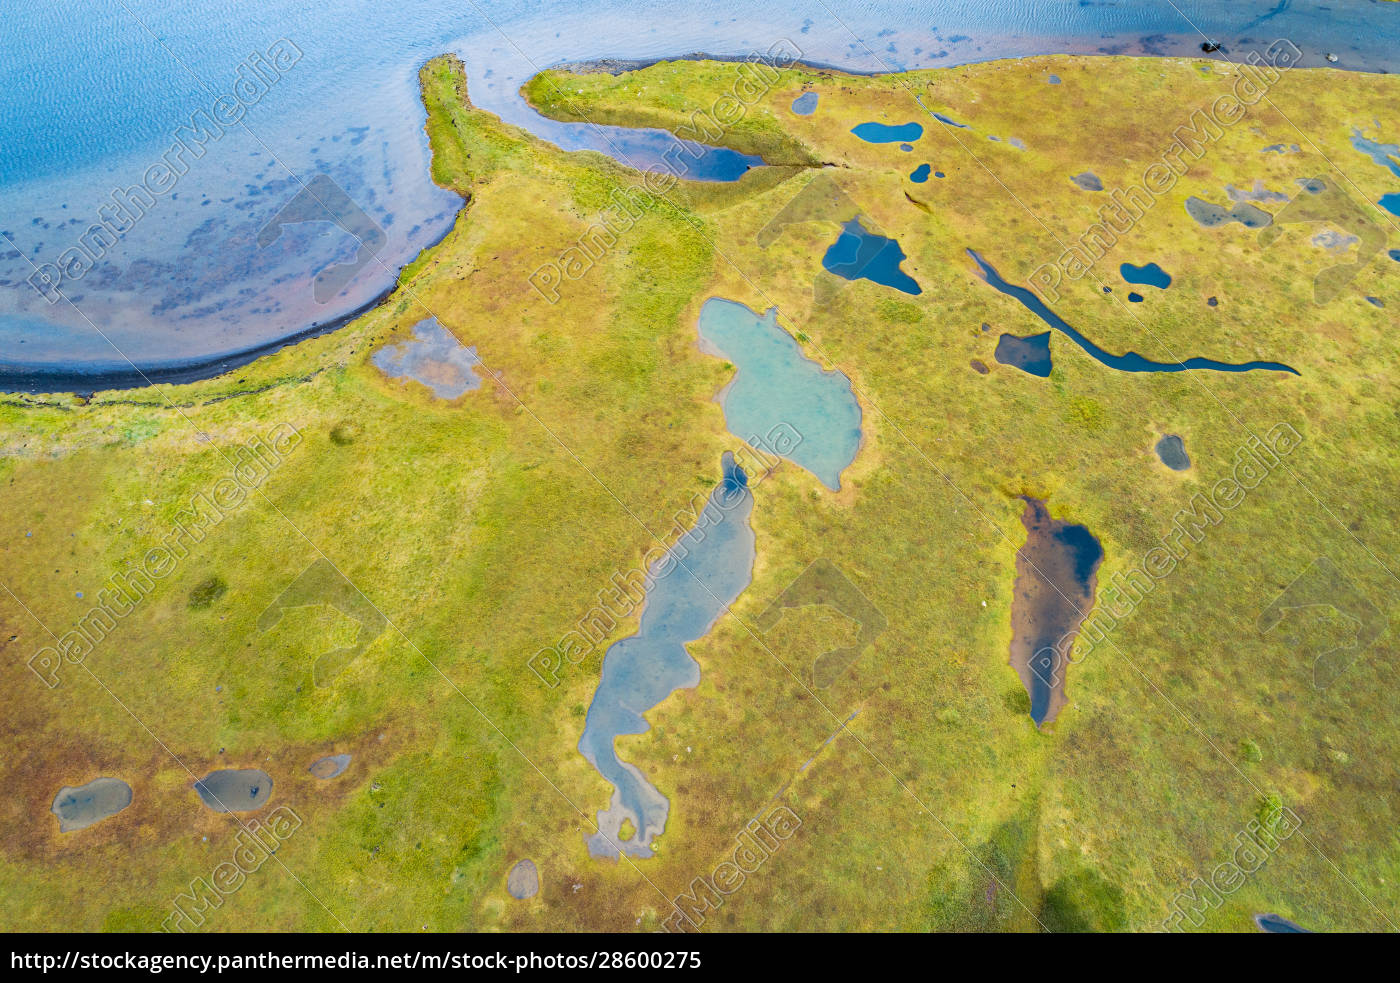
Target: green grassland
(484,527)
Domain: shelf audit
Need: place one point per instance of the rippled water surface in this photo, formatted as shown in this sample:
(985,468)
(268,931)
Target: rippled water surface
(190,280)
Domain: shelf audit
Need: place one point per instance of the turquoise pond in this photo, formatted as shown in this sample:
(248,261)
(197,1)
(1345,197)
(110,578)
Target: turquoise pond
(1391,203)
(805,104)
(859,254)
(887,133)
(775,385)
(688,590)
(920,174)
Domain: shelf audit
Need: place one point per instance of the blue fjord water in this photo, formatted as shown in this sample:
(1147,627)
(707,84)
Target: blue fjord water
(702,573)
(776,385)
(188,283)
(1129,362)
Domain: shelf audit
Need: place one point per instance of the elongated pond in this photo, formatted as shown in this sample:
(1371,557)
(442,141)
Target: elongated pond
(331,766)
(888,133)
(1278,925)
(1147,275)
(1129,362)
(1055,584)
(689,588)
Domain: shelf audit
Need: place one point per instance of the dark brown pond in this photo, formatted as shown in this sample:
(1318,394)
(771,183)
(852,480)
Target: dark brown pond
(1055,584)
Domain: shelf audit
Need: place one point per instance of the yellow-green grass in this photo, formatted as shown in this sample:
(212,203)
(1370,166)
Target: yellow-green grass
(484,527)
